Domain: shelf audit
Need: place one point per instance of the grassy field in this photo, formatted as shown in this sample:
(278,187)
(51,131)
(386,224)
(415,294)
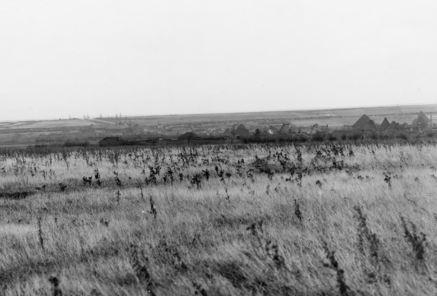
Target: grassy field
(222,220)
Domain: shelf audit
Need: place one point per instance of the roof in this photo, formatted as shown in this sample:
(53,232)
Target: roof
(364,123)
(385,124)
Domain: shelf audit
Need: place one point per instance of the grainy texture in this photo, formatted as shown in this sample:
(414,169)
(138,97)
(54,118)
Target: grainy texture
(49,132)
(222,220)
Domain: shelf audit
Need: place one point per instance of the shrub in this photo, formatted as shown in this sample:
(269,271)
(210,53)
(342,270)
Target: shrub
(318,137)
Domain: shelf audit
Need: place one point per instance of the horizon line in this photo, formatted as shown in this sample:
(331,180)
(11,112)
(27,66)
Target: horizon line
(218,113)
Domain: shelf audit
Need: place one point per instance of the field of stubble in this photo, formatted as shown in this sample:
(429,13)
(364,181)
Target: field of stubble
(223,220)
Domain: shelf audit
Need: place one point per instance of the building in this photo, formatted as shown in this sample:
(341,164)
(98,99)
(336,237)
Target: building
(385,125)
(364,124)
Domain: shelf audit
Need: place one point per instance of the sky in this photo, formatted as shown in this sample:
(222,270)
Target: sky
(135,57)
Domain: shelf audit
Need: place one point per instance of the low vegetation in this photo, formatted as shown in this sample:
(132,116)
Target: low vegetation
(255,219)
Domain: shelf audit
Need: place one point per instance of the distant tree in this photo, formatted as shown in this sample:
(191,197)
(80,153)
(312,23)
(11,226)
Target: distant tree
(332,138)
(241,132)
(257,134)
(421,122)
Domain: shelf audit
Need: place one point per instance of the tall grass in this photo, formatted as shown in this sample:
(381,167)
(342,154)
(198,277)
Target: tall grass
(264,220)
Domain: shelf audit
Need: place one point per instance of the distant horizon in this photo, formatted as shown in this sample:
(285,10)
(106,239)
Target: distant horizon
(91,117)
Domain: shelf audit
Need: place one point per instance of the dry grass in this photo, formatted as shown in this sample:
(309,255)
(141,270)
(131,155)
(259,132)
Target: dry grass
(292,227)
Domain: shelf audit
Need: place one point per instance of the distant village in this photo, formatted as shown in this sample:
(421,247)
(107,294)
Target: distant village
(363,128)
(364,125)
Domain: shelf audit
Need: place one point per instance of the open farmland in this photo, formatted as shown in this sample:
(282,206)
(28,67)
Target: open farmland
(220,220)
(333,117)
(57,132)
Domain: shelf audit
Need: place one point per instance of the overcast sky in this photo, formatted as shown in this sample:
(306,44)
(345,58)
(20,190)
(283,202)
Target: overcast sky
(61,58)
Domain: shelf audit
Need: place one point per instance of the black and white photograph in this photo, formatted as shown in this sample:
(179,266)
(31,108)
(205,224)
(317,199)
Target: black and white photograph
(215,148)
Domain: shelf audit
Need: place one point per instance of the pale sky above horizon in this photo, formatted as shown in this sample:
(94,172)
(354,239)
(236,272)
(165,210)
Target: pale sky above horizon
(71,58)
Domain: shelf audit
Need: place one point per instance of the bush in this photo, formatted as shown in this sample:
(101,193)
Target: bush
(76,143)
(402,137)
(355,137)
(300,138)
(332,138)
(318,137)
